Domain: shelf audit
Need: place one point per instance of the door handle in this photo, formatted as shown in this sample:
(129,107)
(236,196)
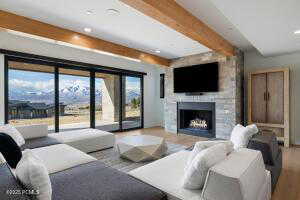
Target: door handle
(268,96)
(265,96)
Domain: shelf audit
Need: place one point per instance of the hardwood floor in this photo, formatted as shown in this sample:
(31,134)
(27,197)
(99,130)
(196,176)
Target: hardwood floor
(288,186)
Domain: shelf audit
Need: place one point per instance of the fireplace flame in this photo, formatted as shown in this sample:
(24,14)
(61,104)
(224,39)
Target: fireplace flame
(198,123)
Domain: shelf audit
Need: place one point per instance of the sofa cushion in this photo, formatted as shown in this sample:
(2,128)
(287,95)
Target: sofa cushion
(267,144)
(201,145)
(8,183)
(33,174)
(60,157)
(86,140)
(39,142)
(94,181)
(165,174)
(12,132)
(196,172)
(10,150)
(33,131)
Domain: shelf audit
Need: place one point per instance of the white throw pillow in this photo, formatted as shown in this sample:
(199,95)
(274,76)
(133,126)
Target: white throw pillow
(195,175)
(13,132)
(33,174)
(201,145)
(252,129)
(241,135)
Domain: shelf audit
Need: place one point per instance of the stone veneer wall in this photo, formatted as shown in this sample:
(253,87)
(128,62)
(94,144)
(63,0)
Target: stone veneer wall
(229,99)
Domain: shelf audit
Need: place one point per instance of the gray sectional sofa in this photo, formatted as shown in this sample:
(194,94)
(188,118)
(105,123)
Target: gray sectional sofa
(91,181)
(75,175)
(8,183)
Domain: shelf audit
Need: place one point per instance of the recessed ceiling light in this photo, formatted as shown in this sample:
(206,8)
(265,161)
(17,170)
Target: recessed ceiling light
(297,32)
(112,11)
(89,12)
(157,51)
(88,30)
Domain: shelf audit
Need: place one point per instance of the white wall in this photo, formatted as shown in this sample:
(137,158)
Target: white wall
(2,89)
(152,103)
(254,61)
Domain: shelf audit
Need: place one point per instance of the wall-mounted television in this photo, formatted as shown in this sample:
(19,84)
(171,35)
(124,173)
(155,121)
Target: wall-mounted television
(197,78)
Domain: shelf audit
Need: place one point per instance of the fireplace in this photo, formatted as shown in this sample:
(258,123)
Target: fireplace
(196,118)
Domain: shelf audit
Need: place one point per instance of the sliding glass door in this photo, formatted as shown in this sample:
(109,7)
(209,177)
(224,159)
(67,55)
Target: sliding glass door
(30,94)
(131,102)
(74,99)
(68,97)
(107,102)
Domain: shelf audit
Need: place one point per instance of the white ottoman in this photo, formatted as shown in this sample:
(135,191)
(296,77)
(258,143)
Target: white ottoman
(86,140)
(60,157)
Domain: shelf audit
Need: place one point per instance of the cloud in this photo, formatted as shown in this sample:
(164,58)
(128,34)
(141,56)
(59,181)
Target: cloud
(63,83)
(36,85)
(16,83)
(45,85)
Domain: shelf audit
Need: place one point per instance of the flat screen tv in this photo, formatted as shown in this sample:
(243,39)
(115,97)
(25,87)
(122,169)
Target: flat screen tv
(197,78)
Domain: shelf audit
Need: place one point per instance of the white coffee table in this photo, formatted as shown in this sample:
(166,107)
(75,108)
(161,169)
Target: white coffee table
(140,148)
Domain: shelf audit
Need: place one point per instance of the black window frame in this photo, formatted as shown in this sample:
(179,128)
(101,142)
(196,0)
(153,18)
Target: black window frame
(61,63)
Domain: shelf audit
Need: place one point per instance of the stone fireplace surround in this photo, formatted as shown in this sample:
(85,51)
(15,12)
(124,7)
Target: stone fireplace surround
(228,101)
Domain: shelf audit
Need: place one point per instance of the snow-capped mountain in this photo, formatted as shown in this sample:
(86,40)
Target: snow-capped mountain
(131,94)
(75,94)
(68,95)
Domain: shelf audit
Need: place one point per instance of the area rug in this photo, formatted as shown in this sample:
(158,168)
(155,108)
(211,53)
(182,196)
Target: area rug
(112,158)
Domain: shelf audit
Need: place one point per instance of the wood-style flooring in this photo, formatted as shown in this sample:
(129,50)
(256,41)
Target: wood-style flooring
(288,186)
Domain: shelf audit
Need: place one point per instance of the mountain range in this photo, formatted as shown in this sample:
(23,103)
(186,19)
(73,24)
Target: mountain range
(75,94)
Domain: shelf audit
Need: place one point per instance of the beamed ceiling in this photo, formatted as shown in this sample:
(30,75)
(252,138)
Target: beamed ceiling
(137,34)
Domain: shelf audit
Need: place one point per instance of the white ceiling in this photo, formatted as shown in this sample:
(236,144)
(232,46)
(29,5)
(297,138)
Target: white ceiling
(268,24)
(265,25)
(129,28)
(206,11)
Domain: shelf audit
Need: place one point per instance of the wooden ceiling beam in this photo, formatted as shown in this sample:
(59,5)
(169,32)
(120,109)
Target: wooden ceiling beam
(33,27)
(171,14)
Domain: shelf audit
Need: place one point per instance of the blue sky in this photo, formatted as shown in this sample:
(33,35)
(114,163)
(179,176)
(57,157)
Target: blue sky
(37,81)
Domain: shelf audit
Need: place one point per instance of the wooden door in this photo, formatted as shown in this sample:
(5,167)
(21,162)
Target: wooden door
(275,97)
(258,98)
